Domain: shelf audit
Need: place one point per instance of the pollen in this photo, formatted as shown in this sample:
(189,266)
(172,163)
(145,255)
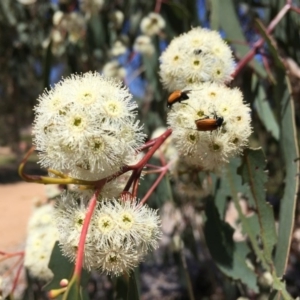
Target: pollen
(105,224)
(126,220)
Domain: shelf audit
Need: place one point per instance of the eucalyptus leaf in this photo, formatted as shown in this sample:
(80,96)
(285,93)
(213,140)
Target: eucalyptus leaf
(290,151)
(264,109)
(252,171)
(229,256)
(61,268)
(232,27)
(132,292)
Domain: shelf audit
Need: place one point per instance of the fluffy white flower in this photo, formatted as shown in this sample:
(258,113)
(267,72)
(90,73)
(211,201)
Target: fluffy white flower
(140,225)
(117,18)
(210,149)
(42,235)
(120,233)
(152,24)
(57,17)
(117,257)
(41,217)
(69,216)
(91,7)
(27,2)
(114,69)
(197,56)
(143,44)
(86,125)
(118,48)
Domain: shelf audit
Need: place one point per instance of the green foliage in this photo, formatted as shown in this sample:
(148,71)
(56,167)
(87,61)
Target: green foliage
(270,87)
(253,172)
(230,256)
(62,268)
(126,287)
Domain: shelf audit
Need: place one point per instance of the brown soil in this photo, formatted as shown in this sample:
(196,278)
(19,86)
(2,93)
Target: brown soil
(16,204)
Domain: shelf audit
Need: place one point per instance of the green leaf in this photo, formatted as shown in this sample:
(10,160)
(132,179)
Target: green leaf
(97,32)
(281,288)
(264,110)
(121,288)
(132,292)
(290,151)
(61,267)
(73,292)
(151,65)
(229,256)
(228,20)
(271,43)
(223,186)
(47,65)
(247,225)
(253,171)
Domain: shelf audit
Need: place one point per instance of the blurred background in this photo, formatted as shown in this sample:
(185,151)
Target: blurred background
(42,41)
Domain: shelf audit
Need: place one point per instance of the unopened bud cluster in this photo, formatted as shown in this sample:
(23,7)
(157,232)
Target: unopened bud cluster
(120,235)
(199,63)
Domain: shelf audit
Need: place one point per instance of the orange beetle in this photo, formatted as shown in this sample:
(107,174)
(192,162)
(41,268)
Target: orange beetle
(178,96)
(209,124)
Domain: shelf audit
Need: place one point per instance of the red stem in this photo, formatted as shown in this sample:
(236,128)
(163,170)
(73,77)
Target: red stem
(11,254)
(86,223)
(157,6)
(249,56)
(153,187)
(296,9)
(137,169)
(17,276)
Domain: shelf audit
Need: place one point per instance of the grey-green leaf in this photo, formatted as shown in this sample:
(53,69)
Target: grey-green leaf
(264,110)
(228,20)
(228,255)
(253,171)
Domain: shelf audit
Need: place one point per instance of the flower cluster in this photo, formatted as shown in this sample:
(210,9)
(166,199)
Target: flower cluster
(120,235)
(152,24)
(114,69)
(210,149)
(197,56)
(67,27)
(143,45)
(42,235)
(86,126)
(91,7)
(213,123)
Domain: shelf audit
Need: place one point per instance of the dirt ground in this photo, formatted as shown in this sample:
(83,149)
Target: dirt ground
(16,204)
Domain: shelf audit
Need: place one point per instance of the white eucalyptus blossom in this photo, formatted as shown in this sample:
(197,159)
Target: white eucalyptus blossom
(27,2)
(91,7)
(143,44)
(152,24)
(118,48)
(42,235)
(197,56)
(117,258)
(57,17)
(69,215)
(75,26)
(210,149)
(117,18)
(120,234)
(114,69)
(86,126)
